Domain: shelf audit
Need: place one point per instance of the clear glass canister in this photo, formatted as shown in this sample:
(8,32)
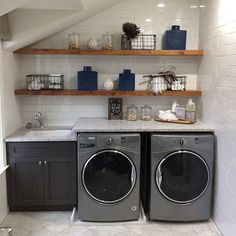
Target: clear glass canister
(146,113)
(73,41)
(107,41)
(132,113)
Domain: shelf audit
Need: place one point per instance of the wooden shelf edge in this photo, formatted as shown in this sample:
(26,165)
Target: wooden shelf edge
(33,51)
(24,92)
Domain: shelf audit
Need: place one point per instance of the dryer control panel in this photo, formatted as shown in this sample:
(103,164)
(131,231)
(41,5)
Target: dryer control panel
(91,141)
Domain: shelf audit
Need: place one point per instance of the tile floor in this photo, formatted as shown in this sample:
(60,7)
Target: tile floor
(59,224)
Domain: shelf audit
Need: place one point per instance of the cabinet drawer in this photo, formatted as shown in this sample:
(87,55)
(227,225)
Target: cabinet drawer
(41,149)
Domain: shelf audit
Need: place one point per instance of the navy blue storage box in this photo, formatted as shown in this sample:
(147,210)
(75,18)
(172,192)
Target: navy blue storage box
(175,39)
(127,80)
(87,79)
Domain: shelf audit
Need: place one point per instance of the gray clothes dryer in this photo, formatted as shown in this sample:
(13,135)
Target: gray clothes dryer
(108,177)
(181,172)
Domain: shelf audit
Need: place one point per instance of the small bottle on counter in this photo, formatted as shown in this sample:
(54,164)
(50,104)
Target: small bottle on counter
(132,113)
(146,113)
(173,108)
(180,113)
(190,112)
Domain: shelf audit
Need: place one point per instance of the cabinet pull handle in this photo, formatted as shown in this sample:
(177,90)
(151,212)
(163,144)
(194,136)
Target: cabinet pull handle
(40,163)
(45,162)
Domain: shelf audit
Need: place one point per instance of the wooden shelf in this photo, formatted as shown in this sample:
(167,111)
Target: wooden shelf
(24,92)
(33,51)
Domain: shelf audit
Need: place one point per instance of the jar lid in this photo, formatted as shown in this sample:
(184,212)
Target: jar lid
(132,106)
(146,106)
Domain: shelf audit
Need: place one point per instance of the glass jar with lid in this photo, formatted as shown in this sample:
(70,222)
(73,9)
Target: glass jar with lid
(107,41)
(132,113)
(146,112)
(73,41)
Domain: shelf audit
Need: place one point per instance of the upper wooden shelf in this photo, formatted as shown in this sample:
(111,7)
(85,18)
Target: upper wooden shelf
(24,92)
(33,51)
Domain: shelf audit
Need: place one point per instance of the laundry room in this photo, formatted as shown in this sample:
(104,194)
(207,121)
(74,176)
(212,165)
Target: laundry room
(117,117)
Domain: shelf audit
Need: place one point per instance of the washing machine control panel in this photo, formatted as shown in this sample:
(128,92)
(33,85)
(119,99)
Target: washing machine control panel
(88,142)
(109,141)
(183,142)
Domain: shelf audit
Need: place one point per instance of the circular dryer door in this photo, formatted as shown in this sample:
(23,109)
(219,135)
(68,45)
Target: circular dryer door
(182,176)
(109,176)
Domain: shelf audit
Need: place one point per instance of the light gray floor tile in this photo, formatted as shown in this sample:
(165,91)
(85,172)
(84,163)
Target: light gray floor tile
(58,224)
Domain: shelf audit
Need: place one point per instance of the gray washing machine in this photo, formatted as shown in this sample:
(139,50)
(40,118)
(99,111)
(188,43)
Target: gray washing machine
(181,172)
(108,177)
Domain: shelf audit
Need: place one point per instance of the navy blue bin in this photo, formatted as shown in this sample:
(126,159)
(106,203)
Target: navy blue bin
(175,39)
(87,79)
(127,81)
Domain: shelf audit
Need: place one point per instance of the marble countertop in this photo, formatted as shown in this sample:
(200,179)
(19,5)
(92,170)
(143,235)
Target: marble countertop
(89,124)
(104,125)
(22,135)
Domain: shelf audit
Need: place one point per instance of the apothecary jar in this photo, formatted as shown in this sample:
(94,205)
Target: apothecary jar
(132,113)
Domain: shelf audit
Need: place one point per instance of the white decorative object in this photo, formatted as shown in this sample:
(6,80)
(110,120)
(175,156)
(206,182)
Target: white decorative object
(35,85)
(92,44)
(109,84)
(176,85)
(167,115)
(158,85)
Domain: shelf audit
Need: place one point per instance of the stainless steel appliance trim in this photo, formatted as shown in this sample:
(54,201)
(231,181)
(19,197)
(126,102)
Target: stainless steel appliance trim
(133,176)
(158,176)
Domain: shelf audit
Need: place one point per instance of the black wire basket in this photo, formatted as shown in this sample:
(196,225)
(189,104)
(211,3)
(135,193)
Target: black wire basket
(44,81)
(142,42)
(179,84)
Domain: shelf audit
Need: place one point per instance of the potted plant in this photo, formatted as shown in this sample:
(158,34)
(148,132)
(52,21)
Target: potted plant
(131,31)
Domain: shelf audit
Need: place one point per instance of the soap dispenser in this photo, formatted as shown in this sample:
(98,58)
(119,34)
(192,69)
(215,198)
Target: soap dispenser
(190,111)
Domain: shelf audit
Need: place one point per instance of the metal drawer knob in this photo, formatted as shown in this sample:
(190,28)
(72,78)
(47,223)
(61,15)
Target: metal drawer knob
(183,142)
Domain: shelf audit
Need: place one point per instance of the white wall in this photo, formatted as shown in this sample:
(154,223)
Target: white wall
(10,115)
(217,78)
(12,104)
(65,111)
(3,201)
(136,11)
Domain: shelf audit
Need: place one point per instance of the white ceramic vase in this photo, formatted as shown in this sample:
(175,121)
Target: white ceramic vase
(92,44)
(109,84)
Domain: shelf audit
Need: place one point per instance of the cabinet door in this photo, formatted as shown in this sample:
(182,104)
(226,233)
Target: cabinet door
(60,181)
(26,182)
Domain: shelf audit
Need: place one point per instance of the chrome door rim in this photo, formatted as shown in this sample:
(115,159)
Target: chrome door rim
(133,180)
(168,156)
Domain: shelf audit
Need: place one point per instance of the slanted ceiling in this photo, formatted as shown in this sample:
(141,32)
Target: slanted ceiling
(31,22)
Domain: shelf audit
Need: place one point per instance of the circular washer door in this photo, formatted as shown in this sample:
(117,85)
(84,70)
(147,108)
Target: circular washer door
(182,176)
(109,176)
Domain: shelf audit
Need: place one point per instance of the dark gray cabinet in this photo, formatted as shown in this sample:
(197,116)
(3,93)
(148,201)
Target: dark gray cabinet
(42,176)
(26,182)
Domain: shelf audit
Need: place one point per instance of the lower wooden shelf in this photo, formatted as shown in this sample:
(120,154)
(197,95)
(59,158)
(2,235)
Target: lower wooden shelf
(24,92)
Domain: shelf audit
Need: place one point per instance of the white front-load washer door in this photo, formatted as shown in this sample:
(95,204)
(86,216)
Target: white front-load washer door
(182,177)
(109,176)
